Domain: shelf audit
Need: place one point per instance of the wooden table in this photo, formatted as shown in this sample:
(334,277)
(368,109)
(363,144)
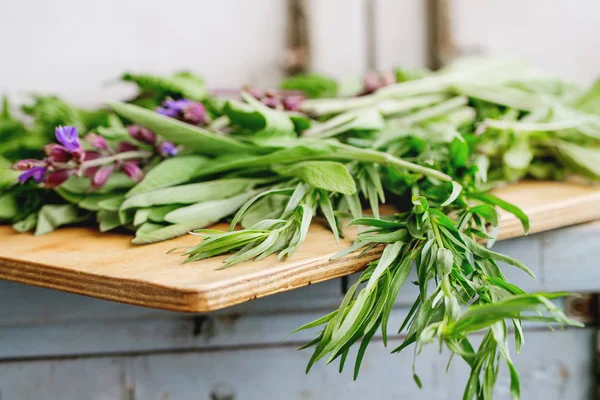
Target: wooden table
(108,266)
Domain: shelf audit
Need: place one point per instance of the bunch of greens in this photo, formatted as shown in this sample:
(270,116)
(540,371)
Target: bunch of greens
(432,144)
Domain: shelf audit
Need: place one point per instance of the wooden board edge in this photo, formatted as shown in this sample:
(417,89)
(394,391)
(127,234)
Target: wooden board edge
(217,296)
(63,279)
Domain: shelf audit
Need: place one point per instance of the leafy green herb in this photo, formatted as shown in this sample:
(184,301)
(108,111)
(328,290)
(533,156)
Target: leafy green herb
(431,144)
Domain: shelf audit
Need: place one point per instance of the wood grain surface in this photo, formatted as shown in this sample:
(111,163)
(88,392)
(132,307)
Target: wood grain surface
(108,266)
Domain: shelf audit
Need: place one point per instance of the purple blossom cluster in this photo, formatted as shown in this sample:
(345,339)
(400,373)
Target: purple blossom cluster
(68,158)
(279,100)
(185,110)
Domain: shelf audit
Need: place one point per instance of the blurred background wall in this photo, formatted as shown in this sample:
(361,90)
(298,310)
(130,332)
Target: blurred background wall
(77,48)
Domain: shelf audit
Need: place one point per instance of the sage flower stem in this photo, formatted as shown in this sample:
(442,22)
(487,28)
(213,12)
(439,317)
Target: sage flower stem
(117,157)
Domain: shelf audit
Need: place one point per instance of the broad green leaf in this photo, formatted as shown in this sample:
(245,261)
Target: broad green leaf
(9,207)
(81,185)
(8,177)
(328,175)
(51,216)
(192,193)
(459,152)
(184,84)
(108,220)
(170,172)
(158,213)
(27,224)
(244,115)
(583,160)
(210,211)
(590,100)
(113,203)
(312,85)
(517,158)
(196,139)
(277,124)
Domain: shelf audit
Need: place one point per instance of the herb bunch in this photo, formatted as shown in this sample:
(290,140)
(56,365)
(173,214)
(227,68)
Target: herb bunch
(432,144)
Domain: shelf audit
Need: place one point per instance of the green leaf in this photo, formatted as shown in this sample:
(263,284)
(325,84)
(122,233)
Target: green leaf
(327,210)
(517,158)
(184,84)
(459,152)
(277,124)
(51,216)
(9,207)
(583,160)
(108,220)
(456,189)
(81,185)
(191,193)
(158,214)
(209,212)
(482,252)
(170,172)
(244,115)
(590,100)
(196,139)
(328,175)
(113,203)
(27,224)
(488,212)
(312,85)
(8,177)
(493,200)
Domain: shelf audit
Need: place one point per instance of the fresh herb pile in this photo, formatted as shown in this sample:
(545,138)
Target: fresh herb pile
(179,158)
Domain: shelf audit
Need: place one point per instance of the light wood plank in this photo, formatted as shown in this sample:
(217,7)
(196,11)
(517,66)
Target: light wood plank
(108,266)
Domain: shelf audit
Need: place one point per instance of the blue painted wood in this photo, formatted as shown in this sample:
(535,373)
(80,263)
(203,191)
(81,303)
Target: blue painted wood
(278,373)
(186,356)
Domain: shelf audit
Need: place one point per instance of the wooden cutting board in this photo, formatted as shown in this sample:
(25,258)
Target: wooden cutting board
(108,266)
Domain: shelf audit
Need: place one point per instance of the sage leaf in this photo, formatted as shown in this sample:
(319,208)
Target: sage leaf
(170,172)
(51,216)
(328,175)
(193,138)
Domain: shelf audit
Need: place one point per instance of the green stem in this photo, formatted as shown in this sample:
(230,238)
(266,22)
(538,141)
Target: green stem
(436,233)
(368,155)
(129,155)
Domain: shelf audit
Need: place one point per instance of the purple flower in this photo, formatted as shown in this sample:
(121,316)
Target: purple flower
(35,173)
(184,109)
(167,149)
(292,102)
(254,92)
(57,178)
(101,176)
(173,108)
(57,153)
(123,147)
(195,113)
(371,82)
(141,134)
(68,136)
(133,171)
(97,141)
(28,164)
